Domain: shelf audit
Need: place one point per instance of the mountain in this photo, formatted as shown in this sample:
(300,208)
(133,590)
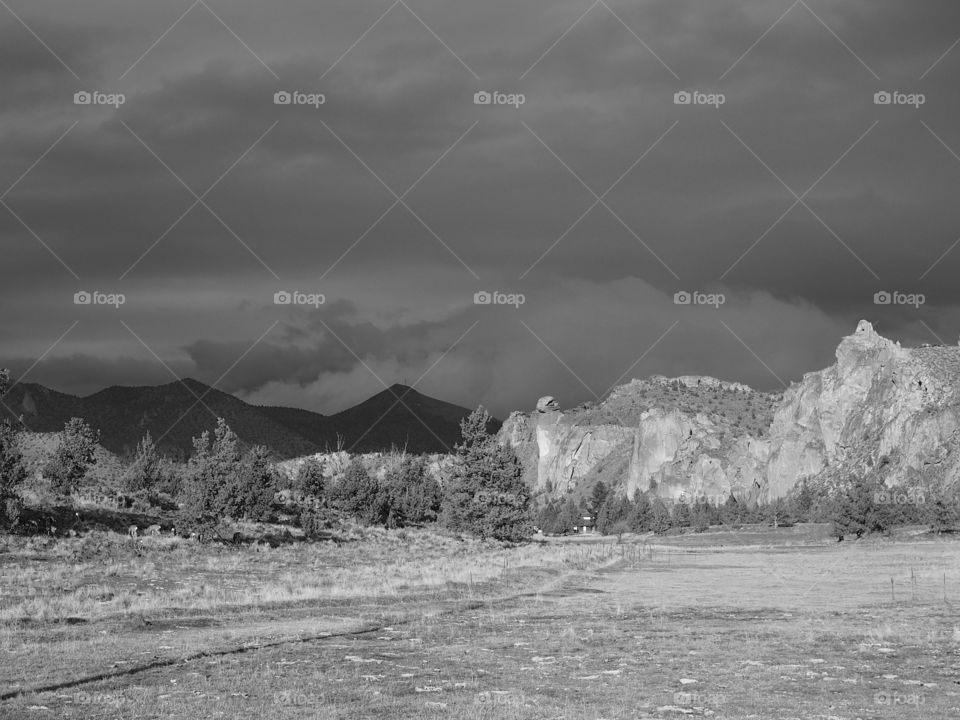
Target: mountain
(177,412)
(881,409)
(398,417)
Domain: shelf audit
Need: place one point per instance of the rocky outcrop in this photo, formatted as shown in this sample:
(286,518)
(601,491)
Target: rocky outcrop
(559,454)
(881,408)
(647,434)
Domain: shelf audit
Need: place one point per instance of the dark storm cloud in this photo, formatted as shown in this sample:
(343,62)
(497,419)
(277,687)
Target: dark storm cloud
(84,374)
(502,205)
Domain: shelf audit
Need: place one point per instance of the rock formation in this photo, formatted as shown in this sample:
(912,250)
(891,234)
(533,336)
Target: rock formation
(881,408)
(680,435)
(547,404)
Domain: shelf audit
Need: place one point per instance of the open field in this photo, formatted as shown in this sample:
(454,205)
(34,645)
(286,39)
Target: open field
(418,625)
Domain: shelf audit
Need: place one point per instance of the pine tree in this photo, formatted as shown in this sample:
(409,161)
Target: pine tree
(856,510)
(569,519)
(942,509)
(641,516)
(548,518)
(660,521)
(731,512)
(700,516)
(802,502)
(681,515)
(597,498)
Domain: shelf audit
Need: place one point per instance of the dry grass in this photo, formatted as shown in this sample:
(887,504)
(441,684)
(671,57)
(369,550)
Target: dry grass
(175,575)
(773,630)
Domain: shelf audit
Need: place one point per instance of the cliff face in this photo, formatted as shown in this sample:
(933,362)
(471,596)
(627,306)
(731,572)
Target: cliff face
(560,454)
(681,435)
(880,408)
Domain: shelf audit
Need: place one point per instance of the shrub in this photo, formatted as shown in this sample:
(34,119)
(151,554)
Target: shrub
(314,521)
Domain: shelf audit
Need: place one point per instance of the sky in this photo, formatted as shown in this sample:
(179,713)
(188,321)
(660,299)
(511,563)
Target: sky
(387,200)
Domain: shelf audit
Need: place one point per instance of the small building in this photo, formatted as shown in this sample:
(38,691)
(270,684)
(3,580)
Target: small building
(586,525)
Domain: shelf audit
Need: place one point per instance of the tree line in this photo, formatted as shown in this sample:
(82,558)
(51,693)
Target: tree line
(484,495)
(858,506)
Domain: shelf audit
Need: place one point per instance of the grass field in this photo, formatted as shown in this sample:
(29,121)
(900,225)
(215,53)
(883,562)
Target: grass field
(757,623)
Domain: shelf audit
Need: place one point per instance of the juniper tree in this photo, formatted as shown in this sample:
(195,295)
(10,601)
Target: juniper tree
(486,495)
(12,469)
(211,469)
(74,456)
(144,473)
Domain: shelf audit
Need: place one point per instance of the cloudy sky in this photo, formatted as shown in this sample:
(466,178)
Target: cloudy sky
(783,186)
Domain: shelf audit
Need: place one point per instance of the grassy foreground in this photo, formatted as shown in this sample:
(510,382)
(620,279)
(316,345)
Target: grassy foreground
(418,625)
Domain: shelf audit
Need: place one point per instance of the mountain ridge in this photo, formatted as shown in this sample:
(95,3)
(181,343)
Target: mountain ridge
(176,412)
